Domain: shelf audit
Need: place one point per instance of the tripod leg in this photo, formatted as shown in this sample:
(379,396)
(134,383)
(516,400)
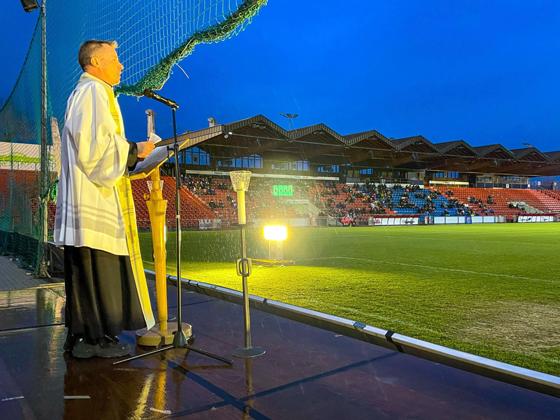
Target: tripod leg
(149,353)
(140,356)
(211,355)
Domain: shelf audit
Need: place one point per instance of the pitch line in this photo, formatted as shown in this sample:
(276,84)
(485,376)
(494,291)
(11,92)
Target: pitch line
(428,238)
(431,267)
(466,240)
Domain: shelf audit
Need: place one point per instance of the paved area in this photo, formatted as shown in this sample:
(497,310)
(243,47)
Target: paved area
(14,278)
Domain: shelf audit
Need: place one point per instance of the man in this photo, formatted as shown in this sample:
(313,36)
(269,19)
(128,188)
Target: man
(95,221)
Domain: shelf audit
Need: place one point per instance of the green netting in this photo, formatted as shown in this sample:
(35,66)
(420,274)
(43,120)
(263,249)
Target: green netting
(20,115)
(153,35)
(20,176)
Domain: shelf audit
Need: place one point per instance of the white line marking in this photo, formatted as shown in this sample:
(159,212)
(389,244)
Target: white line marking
(477,240)
(77,397)
(20,397)
(431,267)
(432,238)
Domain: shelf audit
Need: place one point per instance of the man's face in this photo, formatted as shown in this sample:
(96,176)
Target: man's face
(107,64)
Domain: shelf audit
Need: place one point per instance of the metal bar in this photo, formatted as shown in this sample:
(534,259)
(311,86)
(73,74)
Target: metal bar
(44,167)
(177,221)
(246,315)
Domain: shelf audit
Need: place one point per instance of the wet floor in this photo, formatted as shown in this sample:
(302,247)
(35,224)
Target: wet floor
(306,373)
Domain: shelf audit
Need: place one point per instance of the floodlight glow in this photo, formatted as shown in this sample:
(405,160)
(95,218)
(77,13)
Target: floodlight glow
(275,233)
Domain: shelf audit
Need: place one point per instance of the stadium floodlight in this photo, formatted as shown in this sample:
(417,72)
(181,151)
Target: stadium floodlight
(275,233)
(29,5)
(291,117)
(240,181)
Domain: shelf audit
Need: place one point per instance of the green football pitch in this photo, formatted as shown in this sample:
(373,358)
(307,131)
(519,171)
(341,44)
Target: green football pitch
(492,290)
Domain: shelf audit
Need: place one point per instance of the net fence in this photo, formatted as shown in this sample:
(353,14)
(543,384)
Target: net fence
(153,36)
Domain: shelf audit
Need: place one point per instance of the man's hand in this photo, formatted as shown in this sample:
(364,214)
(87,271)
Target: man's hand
(144,148)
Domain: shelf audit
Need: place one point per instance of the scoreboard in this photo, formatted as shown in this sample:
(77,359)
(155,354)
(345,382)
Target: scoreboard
(282,190)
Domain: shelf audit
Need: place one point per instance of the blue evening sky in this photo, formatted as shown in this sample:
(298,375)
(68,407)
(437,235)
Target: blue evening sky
(483,71)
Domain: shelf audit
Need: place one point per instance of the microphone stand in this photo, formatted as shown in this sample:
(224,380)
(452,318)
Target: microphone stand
(180,340)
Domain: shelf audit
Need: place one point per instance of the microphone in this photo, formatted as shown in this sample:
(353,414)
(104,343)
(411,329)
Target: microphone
(170,103)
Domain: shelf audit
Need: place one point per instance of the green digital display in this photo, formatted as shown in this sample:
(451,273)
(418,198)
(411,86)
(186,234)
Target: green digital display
(282,190)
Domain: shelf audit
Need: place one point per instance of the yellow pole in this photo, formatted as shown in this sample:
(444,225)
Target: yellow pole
(241,214)
(157,207)
(161,333)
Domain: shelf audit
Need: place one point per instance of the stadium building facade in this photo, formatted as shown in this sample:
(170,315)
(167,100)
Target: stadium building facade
(314,175)
(261,145)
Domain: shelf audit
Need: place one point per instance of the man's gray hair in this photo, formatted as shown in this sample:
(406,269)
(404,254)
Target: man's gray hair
(88,48)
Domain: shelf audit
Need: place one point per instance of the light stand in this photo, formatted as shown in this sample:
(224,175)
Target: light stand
(180,340)
(240,181)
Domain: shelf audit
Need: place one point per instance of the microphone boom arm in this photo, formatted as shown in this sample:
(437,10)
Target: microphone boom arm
(170,103)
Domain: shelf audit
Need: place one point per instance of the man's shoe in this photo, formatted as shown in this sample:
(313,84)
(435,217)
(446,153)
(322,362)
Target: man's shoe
(70,341)
(111,349)
(83,350)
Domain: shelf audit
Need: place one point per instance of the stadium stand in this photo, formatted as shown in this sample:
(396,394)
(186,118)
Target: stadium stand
(553,194)
(485,201)
(550,198)
(211,198)
(353,203)
(535,199)
(310,198)
(415,200)
(505,201)
(193,208)
(26,182)
(216,193)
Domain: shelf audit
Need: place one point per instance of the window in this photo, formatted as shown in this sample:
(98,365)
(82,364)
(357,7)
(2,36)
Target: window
(196,156)
(224,163)
(299,165)
(448,175)
(245,162)
(331,169)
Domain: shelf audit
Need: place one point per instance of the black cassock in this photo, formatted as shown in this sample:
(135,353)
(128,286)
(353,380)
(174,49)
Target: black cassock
(101,296)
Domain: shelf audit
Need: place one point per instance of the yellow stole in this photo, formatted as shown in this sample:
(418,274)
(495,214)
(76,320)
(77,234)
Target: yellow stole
(126,201)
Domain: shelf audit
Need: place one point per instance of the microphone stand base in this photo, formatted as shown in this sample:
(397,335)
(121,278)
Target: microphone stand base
(248,353)
(157,336)
(180,339)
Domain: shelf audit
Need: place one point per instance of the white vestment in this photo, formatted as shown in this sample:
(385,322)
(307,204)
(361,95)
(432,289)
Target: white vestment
(94,158)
